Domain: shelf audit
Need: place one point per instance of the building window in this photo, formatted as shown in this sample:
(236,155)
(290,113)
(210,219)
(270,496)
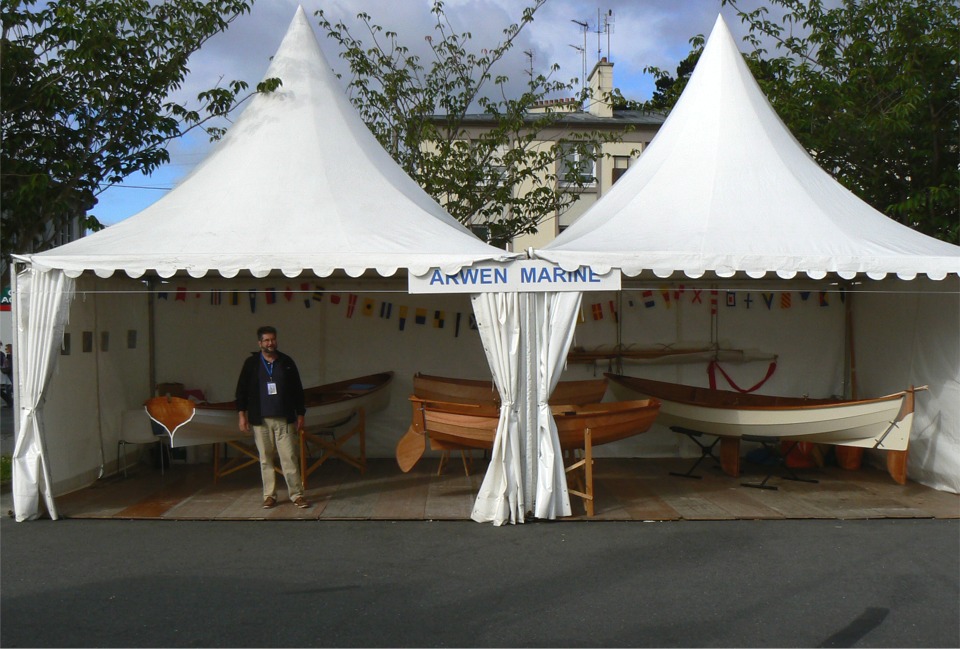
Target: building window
(482,231)
(620,165)
(576,167)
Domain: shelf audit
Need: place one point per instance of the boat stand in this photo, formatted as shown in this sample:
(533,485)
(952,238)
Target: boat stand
(706,451)
(224,465)
(772,444)
(329,440)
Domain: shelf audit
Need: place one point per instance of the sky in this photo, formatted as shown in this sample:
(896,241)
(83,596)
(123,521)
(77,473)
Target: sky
(641,33)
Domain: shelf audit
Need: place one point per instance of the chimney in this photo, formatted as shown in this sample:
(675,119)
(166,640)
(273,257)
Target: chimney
(601,85)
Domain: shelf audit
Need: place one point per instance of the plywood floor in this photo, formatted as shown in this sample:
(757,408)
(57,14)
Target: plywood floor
(626,489)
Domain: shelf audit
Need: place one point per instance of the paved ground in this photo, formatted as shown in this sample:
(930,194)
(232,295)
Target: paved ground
(806,583)
(308,583)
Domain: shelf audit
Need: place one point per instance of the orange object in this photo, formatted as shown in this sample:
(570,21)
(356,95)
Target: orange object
(799,454)
(849,457)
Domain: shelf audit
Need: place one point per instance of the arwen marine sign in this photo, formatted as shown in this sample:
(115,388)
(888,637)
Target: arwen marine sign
(516,276)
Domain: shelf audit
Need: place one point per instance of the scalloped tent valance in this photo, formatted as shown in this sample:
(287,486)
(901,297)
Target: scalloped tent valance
(724,188)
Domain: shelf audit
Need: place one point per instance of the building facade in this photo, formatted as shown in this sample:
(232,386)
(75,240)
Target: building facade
(632,129)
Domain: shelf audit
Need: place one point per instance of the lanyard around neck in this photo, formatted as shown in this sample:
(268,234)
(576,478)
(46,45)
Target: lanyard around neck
(267,366)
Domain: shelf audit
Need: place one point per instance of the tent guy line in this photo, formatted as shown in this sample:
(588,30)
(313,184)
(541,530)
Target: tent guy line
(631,289)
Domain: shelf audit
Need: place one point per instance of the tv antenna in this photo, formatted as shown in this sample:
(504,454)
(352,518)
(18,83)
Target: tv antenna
(529,55)
(584,27)
(604,26)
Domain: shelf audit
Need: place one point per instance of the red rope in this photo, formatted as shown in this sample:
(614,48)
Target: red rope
(714,365)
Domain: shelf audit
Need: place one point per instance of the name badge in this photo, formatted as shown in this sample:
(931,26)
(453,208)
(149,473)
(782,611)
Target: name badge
(271,388)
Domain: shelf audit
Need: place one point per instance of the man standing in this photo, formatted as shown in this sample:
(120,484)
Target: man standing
(270,398)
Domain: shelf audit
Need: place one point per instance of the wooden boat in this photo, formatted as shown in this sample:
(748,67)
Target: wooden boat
(327,405)
(459,425)
(448,389)
(608,422)
(464,394)
(882,423)
(580,427)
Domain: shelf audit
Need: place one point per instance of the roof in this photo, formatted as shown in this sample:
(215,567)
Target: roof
(298,183)
(724,188)
(621,118)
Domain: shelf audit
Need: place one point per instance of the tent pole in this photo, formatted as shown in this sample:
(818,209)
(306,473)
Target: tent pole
(16,305)
(97,348)
(151,336)
(851,352)
(619,357)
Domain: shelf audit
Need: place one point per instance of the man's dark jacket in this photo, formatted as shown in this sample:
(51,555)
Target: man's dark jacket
(290,389)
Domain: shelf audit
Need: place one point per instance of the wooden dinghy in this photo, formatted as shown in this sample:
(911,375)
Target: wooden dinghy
(448,389)
(210,423)
(326,405)
(580,427)
(336,413)
(474,393)
(882,423)
(475,426)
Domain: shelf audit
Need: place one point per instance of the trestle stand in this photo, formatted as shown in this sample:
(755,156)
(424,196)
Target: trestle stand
(772,444)
(706,451)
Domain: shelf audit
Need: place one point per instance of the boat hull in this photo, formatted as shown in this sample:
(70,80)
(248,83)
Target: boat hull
(608,422)
(450,427)
(882,423)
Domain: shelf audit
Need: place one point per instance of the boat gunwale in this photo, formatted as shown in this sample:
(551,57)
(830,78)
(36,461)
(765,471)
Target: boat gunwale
(815,404)
(380,380)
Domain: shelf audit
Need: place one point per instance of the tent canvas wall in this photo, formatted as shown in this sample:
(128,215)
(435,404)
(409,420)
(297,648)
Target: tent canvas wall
(297,188)
(725,195)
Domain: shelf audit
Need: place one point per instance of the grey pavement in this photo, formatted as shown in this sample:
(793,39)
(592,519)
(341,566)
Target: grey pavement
(809,583)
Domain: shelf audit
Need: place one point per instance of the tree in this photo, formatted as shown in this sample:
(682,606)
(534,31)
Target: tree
(669,89)
(84,90)
(871,89)
(503,176)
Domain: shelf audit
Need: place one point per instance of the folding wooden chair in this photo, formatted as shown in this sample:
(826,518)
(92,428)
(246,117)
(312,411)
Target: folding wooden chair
(329,440)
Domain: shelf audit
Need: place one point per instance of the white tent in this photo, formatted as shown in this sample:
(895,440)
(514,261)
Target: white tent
(298,185)
(725,190)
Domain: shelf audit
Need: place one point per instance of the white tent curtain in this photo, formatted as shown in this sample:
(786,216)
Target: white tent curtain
(556,318)
(42,307)
(526,338)
(501,498)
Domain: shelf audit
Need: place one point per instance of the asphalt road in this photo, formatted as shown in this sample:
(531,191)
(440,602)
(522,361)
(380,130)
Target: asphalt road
(429,584)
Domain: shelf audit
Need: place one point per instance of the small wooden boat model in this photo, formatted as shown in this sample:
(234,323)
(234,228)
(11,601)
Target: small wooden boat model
(881,423)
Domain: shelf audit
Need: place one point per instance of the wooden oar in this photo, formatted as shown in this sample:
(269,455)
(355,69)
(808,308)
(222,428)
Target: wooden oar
(410,449)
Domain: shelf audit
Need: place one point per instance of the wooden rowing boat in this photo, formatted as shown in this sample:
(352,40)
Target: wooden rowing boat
(455,390)
(579,427)
(327,405)
(882,423)
(609,422)
(459,393)
(459,425)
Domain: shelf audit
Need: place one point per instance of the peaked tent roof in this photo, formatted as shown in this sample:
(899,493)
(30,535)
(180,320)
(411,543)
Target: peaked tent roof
(725,188)
(298,183)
